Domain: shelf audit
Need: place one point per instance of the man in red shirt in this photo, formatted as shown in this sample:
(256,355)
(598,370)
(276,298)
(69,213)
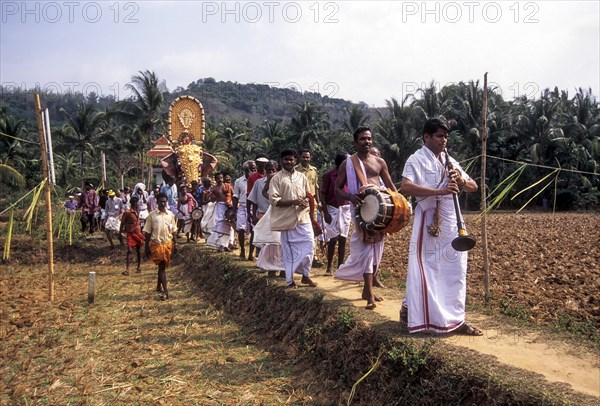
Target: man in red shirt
(336,212)
(261,162)
(130,223)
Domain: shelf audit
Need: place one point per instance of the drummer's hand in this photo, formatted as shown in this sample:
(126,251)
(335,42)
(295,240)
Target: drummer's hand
(355,200)
(327,217)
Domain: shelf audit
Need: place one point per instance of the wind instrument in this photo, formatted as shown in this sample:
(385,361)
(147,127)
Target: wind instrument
(464,242)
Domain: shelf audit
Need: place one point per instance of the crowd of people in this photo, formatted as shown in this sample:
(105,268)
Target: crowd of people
(289,216)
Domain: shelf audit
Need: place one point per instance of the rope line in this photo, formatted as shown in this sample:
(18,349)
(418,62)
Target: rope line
(19,139)
(535,165)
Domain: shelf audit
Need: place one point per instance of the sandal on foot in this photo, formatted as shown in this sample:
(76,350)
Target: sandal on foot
(370,306)
(139,270)
(468,330)
(126,273)
(292,286)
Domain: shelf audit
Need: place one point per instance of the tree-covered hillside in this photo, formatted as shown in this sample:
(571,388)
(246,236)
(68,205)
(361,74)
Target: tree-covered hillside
(555,130)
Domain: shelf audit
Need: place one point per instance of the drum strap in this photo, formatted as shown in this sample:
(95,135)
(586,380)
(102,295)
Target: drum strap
(358,169)
(367,236)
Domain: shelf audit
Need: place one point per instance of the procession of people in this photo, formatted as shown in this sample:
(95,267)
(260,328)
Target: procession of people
(277,208)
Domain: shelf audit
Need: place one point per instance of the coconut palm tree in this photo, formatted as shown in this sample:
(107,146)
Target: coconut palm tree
(309,125)
(145,110)
(357,117)
(12,131)
(11,177)
(82,131)
(399,136)
(269,137)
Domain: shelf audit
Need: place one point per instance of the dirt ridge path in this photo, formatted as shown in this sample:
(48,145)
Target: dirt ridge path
(556,361)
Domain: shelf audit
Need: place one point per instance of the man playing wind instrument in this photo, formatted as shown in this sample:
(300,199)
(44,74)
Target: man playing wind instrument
(436,284)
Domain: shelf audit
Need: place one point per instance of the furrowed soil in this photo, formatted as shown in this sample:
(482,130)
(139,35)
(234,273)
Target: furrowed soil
(214,341)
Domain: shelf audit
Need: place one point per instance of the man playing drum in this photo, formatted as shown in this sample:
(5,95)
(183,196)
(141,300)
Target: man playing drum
(365,257)
(222,193)
(436,282)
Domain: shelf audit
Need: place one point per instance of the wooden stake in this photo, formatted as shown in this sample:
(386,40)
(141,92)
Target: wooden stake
(486,265)
(47,192)
(91,287)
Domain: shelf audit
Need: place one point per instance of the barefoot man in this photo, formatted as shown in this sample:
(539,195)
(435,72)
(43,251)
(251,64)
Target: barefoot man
(130,223)
(365,253)
(160,241)
(288,194)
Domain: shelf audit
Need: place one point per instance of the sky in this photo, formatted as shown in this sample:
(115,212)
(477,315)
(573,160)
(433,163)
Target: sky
(362,51)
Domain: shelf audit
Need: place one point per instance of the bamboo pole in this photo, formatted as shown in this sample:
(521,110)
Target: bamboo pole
(486,265)
(48,194)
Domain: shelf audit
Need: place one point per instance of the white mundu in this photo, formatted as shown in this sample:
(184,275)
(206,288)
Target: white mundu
(363,257)
(436,282)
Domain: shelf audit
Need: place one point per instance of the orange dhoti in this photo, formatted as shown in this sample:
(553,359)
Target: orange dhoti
(135,240)
(161,252)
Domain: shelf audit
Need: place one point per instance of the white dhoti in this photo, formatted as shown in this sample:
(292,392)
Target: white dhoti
(297,247)
(185,215)
(222,232)
(241,223)
(340,222)
(208,219)
(270,257)
(143,216)
(263,235)
(112,224)
(436,283)
(363,259)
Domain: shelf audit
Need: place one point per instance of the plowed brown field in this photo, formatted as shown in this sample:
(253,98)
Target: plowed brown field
(544,267)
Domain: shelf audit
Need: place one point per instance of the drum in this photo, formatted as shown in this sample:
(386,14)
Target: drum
(231,216)
(382,210)
(197,214)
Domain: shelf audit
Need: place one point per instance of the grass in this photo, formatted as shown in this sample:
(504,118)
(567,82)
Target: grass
(129,347)
(584,330)
(225,337)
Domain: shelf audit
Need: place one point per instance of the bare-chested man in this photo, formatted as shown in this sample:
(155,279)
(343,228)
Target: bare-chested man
(222,195)
(365,254)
